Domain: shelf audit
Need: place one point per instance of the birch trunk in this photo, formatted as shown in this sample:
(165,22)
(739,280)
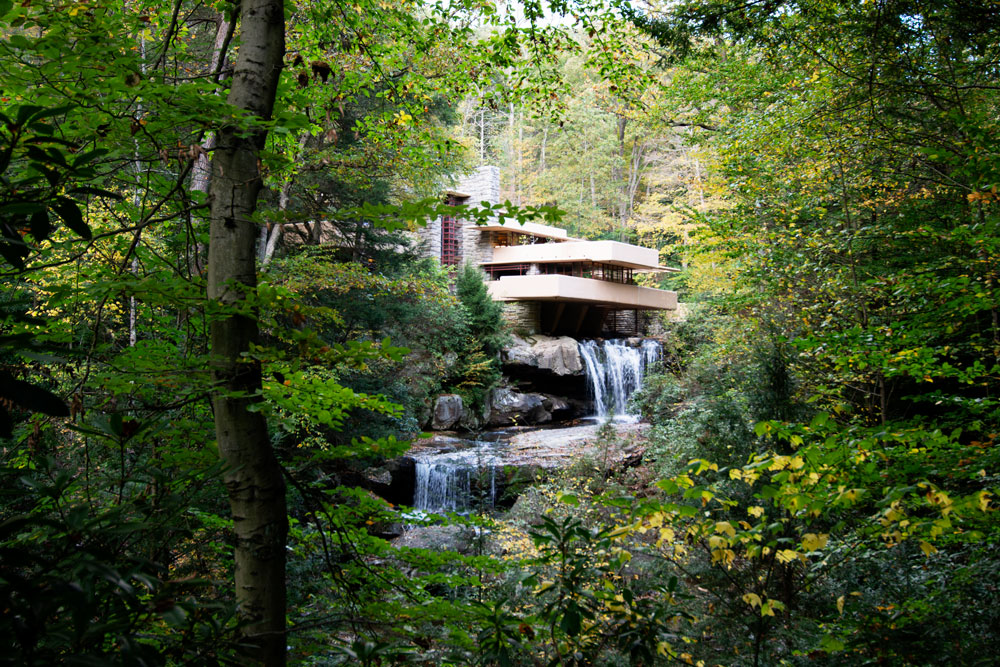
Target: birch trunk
(223,35)
(253,477)
(617,176)
(541,157)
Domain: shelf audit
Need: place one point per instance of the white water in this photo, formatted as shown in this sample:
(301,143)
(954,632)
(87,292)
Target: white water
(447,481)
(615,371)
(444,481)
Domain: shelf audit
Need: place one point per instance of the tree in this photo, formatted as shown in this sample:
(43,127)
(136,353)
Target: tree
(861,229)
(121,501)
(485,316)
(253,477)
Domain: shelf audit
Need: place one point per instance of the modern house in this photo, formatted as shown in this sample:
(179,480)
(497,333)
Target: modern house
(552,283)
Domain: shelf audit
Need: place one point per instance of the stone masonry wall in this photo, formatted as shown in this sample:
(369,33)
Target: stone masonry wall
(522,316)
(483,184)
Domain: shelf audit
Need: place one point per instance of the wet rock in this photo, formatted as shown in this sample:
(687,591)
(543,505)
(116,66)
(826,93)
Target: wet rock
(448,411)
(439,443)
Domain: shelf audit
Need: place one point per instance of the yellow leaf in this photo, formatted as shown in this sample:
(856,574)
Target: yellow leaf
(725,527)
(546,585)
(927,548)
(755,511)
(840,604)
(984,500)
(752,599)
(787,556)
(778,463)
(813,542)
(618,532)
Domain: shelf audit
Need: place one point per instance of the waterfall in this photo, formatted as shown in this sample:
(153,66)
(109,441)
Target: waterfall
(444,482)
(597,378)
(614,372)
(441,487)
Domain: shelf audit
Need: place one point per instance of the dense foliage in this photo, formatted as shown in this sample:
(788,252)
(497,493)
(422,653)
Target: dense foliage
(820,473)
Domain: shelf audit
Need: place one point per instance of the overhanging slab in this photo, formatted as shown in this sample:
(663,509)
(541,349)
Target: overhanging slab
(581,290)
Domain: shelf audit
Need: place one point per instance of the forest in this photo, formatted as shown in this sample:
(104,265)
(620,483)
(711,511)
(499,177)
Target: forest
(218,334)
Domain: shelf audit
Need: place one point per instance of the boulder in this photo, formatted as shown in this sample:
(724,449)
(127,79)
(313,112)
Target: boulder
(512,407)
(519,353)
(559,355)
(555,403)
(448,411)
(476,417)
(458,539)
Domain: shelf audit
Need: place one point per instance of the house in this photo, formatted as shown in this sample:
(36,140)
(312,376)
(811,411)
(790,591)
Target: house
(552,283)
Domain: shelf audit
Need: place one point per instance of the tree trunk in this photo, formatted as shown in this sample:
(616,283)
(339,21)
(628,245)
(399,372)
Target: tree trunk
(253,477)
(618,176)
(636,168)
(223,36)
(482,137)
(541,157)
(520,155)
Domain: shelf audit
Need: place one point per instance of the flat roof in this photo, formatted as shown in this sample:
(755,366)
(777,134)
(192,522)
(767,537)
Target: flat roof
(635,268)
(528,228)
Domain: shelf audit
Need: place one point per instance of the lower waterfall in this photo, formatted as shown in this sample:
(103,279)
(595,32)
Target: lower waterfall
(445,482)
(615,371)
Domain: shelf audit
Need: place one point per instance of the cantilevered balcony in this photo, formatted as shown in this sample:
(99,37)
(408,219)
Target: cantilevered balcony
(598,252)
(581,290)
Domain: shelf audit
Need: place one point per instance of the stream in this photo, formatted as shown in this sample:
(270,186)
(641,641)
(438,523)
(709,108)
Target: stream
(456,475)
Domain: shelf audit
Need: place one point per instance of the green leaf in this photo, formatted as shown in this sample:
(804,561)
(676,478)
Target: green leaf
(40,226)
(14,251)
(819,420)
(115,422)
(26,112)
(571,621)
(70,213)
(568,498)
(89,156)
(31,397)
(831,644)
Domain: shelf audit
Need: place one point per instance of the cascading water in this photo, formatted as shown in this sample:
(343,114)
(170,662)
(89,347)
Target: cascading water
(444,482)
(463,480)
(597,377)
(615,371)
